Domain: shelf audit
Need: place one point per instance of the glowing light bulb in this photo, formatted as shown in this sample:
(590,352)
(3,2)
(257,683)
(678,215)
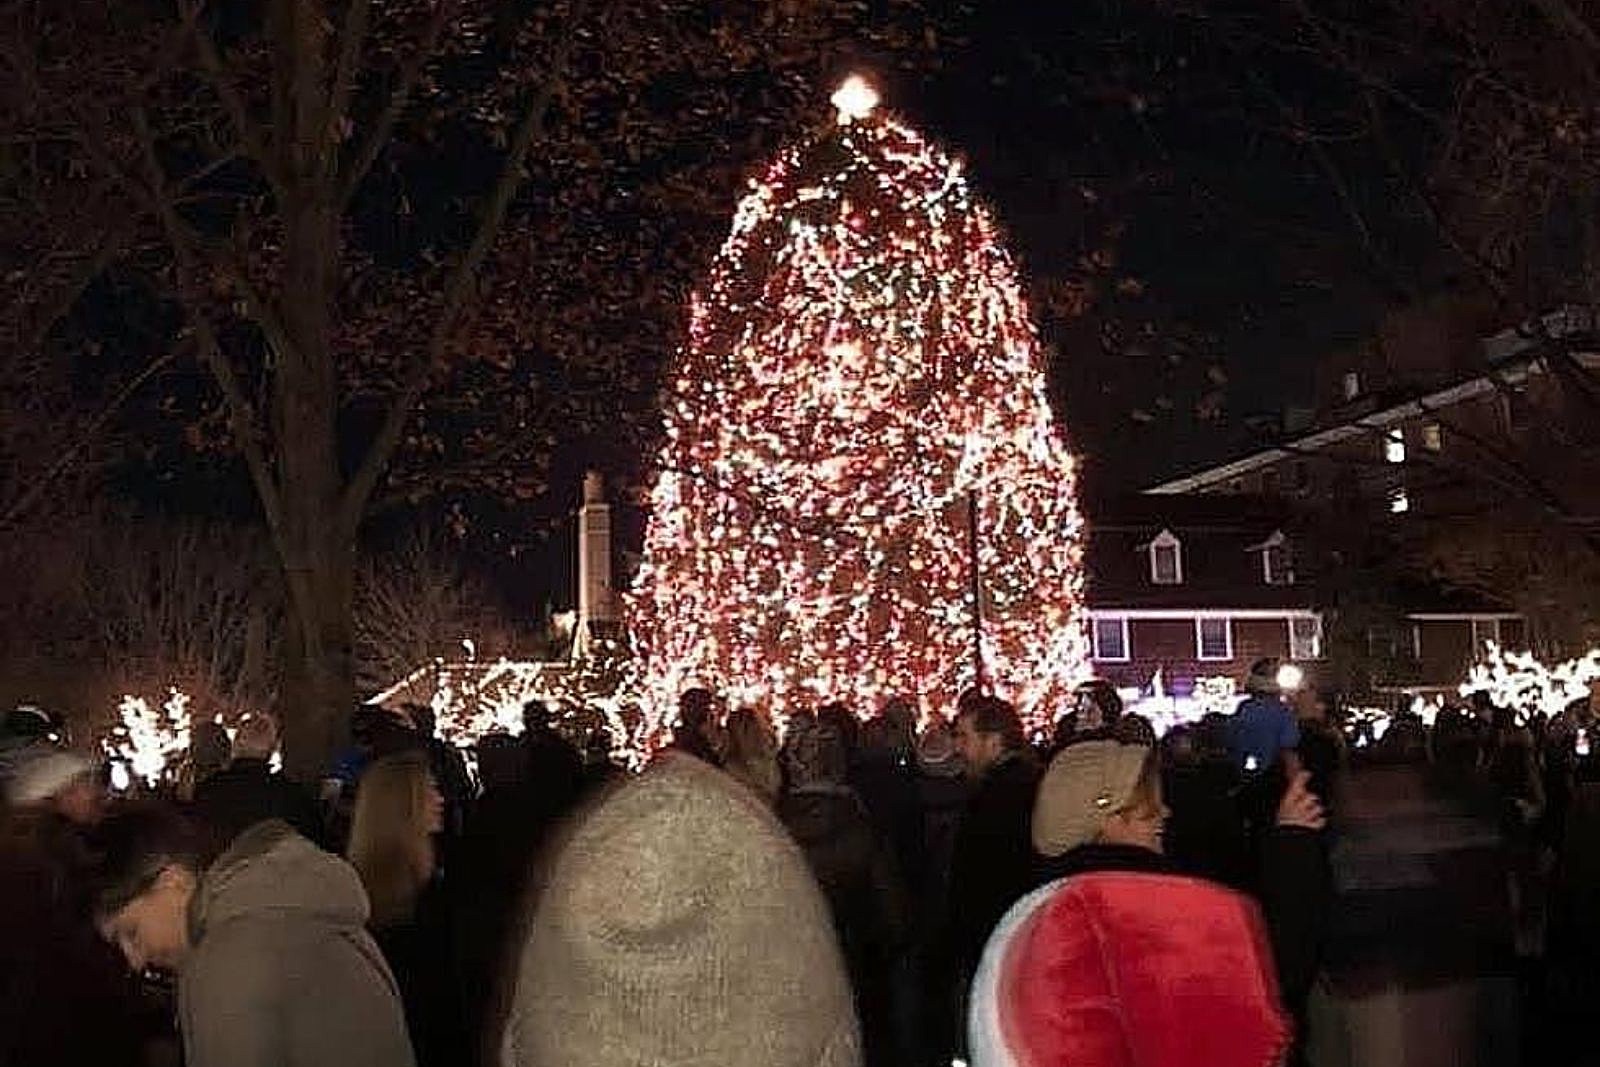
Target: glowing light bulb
(854,98)
(1290,677)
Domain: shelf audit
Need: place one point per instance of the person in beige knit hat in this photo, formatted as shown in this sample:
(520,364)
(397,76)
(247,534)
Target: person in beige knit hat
(678,926)
(1100,805)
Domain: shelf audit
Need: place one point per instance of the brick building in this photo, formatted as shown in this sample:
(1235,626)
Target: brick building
(1429,423)
(1195,587)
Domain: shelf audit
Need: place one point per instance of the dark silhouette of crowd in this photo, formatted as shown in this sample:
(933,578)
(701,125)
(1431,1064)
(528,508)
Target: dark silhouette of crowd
(905,889)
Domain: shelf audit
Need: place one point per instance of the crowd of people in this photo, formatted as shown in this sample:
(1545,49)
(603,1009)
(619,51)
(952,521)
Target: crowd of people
(876,892)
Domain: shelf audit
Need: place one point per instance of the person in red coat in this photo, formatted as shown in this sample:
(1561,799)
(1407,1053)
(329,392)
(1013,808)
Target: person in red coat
(1122,962)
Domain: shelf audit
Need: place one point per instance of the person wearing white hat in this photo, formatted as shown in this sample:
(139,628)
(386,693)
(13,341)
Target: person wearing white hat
(55,974)
(63,782)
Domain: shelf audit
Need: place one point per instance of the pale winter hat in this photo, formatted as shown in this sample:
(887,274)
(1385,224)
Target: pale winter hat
(1084,786)
(40,772)
(679,926)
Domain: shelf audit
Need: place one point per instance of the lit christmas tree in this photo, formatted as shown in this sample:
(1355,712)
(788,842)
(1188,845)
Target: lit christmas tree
(861,401)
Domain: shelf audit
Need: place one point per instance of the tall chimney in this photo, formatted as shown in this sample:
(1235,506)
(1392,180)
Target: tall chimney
(596,600)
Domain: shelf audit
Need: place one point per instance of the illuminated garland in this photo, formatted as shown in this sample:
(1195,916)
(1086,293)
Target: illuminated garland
(596,691)
(860,365)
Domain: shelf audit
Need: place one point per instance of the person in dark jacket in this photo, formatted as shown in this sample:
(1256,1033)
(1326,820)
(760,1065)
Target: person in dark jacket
(856,873)
(65,996)
(529,785)
(942,791)
(993,863)
(248,791)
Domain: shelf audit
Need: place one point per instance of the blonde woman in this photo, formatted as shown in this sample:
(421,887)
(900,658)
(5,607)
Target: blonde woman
(398,811)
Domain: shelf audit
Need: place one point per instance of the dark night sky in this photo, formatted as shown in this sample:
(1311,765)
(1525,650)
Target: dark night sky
(1231,234)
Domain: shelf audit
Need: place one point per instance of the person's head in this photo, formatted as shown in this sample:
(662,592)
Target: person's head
(209,748)
(46,778)
(28,723)
(697,710)
(838,715)
(146,863)
(1098,706)
(256,738)
(816,755)
(674,903)
(398,810)
(936,751)
(986,730)
(1263,678)
(535,717)
(749,736)
(900,717)
(1099,791)
(423,720)
(502,761)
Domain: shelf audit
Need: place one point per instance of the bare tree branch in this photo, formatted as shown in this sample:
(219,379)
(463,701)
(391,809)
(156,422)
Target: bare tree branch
(460,286)
(377,138)
(251,134)
(352,38)
(242,414)
(67,459)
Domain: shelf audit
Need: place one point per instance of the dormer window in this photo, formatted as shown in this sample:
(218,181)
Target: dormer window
(1166,560)
(1276,566)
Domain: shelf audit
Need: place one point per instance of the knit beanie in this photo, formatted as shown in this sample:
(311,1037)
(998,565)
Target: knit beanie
(39,772)
(1084,786)
(679,926)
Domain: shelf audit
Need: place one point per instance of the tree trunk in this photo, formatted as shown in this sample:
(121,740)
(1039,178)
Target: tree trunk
(317,548)
(318,691)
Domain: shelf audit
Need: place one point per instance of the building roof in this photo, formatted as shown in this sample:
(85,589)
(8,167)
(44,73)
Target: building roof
(1221,539)
(1511,355)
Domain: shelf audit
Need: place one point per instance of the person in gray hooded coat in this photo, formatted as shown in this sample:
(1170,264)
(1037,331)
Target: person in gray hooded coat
(269,944)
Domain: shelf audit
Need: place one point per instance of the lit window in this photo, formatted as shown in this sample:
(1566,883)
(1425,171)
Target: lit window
(1305,637)
(1432,437)
(1352,385)
(1394,445)
(1399,503)
(1213,638)
(1111,640)
(1166,560)
(1484,631)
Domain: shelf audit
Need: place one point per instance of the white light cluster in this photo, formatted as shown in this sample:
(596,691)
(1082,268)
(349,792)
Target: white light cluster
(1517,680)
(149,738)
(150,741)
(470,699)
(860,367)
(1211,695)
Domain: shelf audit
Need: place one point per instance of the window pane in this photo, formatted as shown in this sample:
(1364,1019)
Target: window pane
(1215,639)
(1164,564)
(1110,639)
(1305,638)
(1394,446)
(1275,565)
